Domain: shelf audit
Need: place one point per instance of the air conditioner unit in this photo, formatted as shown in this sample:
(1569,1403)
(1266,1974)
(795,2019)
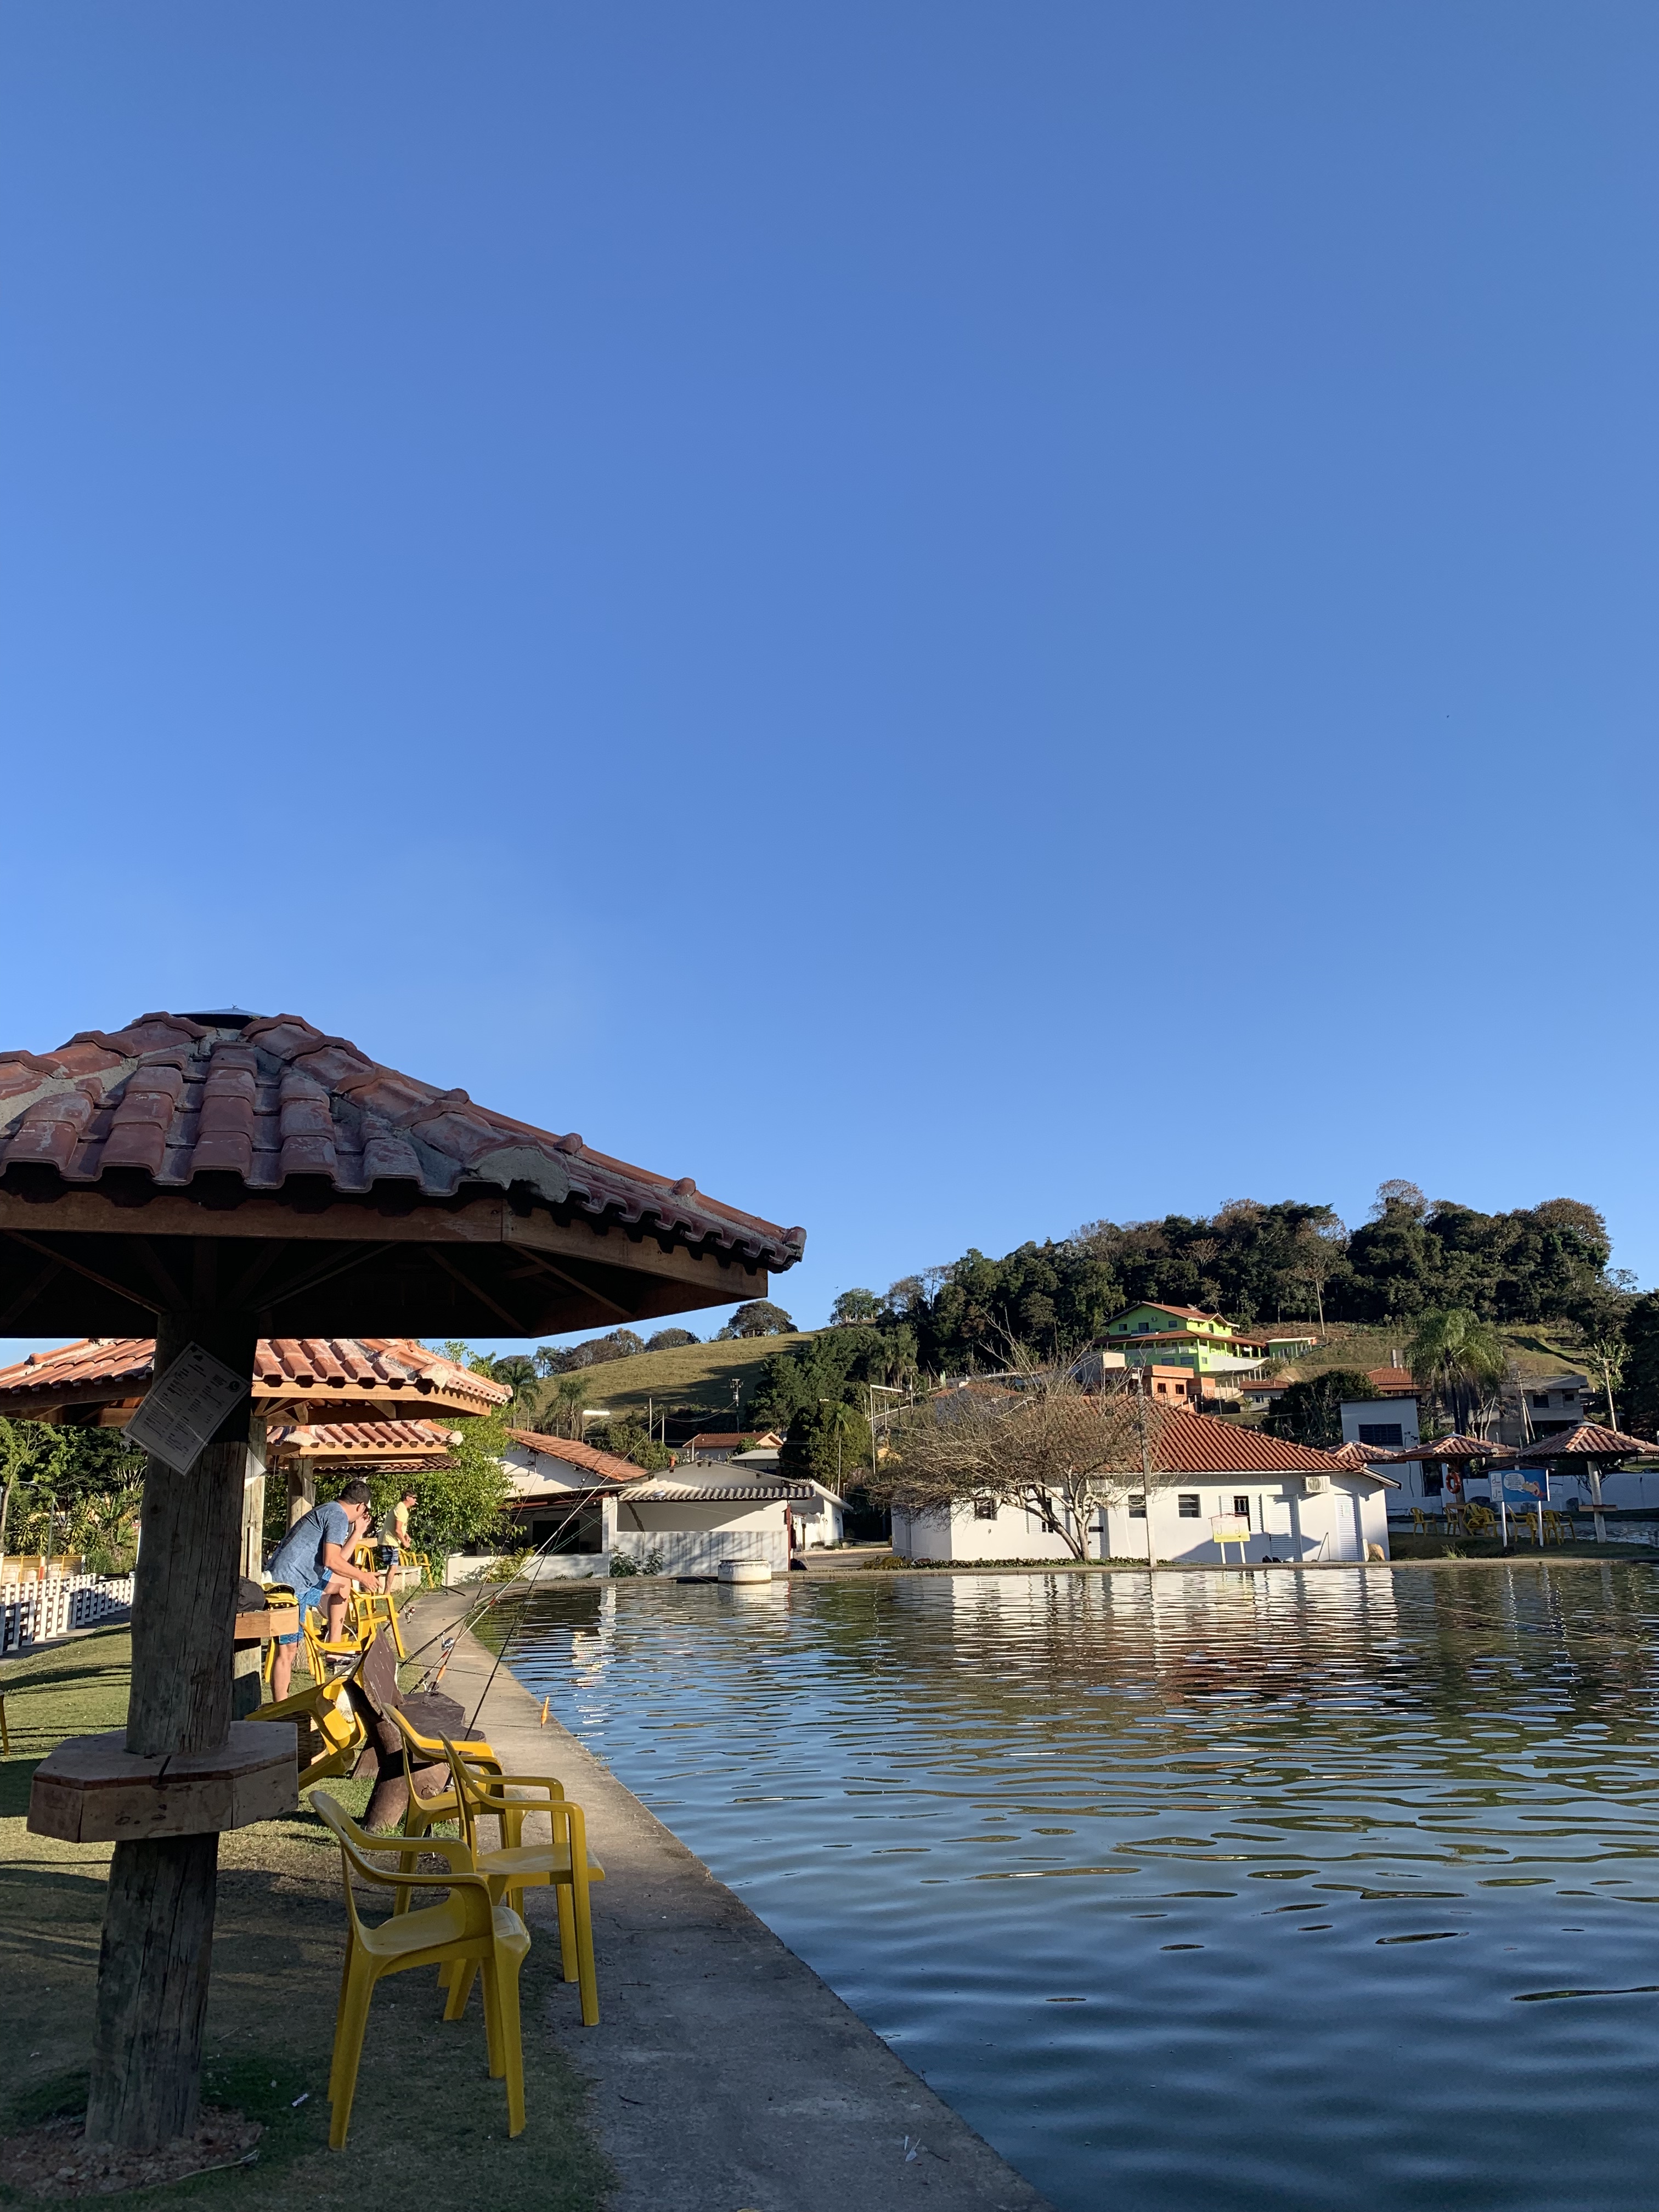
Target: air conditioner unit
(1312,1484)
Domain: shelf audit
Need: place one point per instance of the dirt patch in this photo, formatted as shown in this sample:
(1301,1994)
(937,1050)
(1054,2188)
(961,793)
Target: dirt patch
(58,2161)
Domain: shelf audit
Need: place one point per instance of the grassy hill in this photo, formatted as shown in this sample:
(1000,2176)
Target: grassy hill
(1538,1348)
(689,1375)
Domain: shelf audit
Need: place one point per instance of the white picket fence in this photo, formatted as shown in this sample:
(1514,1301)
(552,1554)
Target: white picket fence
(33,1611)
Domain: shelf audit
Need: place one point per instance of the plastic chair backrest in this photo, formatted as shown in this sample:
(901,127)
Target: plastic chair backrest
(356,1844)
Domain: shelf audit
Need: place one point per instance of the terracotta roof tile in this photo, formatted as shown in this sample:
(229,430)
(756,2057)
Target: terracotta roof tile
(284,1367)
(1202,1443)
(270,1100)
(365,1439)
(608,1466)
(1588,1441)
(1392,1381)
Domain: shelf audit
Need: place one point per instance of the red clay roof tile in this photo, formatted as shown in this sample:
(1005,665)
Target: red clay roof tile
(285,1367)
(267,1099)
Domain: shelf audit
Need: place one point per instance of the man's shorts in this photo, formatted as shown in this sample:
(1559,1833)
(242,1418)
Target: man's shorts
(388,1555)
(309,1600)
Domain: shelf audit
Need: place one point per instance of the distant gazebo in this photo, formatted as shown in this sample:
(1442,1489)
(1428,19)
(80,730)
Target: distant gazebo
(1589,1450)
(1457,1458)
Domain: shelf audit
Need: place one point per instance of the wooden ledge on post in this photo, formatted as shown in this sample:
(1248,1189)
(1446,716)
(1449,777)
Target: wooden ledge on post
(92,1790)
(265,1627)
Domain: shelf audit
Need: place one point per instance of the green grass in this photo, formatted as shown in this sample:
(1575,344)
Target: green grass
(1534,1345)
(428,2124)
(689,1375)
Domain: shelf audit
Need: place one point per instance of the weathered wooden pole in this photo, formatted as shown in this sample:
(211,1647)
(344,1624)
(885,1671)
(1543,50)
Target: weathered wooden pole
(154,1965)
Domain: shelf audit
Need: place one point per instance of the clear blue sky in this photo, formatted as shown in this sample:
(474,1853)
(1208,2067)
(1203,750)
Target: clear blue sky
(952,618)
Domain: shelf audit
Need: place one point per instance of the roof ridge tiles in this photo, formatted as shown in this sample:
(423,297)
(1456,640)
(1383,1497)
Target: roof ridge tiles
(231,1092)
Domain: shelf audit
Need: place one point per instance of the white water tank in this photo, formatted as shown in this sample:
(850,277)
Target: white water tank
(744,1570)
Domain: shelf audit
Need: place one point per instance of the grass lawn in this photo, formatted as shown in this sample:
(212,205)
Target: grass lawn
(689,1375)
(427,2121)
(1350,1344)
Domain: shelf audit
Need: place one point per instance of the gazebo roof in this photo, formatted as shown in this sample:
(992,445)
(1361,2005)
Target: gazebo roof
(408,1445)
(1588,1441)
(1358,1457)
(264,1133)
(318,1370)
(1450,1448)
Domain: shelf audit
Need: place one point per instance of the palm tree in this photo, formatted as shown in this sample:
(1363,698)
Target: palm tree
(1458,1359)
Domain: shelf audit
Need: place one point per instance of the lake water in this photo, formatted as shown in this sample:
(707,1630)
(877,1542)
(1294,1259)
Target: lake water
(1301,1890)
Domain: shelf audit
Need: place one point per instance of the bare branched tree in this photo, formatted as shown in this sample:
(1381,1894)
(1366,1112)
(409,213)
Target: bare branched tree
(1051,1437)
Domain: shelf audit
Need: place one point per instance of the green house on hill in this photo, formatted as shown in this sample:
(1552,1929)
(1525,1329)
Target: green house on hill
(1182,1336)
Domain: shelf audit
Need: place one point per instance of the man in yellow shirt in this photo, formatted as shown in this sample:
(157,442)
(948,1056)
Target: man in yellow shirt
(393,1532)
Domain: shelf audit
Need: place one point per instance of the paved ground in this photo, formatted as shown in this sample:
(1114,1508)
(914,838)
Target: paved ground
(726,2075)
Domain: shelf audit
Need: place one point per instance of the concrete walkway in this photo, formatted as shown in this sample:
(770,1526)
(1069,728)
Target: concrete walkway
(726,2077)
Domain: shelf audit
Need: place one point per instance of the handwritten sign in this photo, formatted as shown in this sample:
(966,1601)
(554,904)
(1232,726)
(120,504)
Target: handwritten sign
(182,1410)
(1230,1527)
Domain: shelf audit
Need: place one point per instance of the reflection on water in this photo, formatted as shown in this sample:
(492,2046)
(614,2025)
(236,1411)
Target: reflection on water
(1308,1890)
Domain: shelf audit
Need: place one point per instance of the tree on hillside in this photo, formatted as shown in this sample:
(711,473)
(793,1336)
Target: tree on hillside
(1641,1383)
(669,1339)
(1319,1249)
(1045,1444)
(560,1413)
(828,1443)
(854,1306)
(1397,1191)
(1459,1360)
(760,1317)
(599,1350)
(1310,1412)
(629,1439)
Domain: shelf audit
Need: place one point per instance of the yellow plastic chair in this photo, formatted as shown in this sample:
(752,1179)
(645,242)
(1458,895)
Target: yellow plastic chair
(333,1736)
(423,1814)
(562,1863)
(468,1930)
(1479,1520)
(374,1609)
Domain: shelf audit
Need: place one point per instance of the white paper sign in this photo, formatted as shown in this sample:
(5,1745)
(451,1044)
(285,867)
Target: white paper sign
(181,1412)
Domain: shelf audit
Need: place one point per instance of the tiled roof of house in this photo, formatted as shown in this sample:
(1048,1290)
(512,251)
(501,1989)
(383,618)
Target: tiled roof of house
(267,1102)
(399,1440)
(663,1492)
(728,1440)
(1202,1443)
(608,1467)
(1392,1381)
(284,1367)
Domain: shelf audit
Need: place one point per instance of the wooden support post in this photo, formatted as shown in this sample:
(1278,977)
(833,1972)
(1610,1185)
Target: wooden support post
(154,1964)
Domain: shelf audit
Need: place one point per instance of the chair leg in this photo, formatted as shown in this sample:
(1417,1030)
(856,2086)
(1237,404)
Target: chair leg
(348,2051)
(492,2007)
(505,1975)
(461,1974)
(340,2011)
(586,1971)
(567,1930)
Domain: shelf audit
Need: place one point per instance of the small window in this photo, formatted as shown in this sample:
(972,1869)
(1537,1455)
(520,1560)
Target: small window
(1541,1397)
(985,1508)
(1137,1505)
(1187,1503)
(1382,1432)
(1162,1388)
(1241,1507)
(1431,1482)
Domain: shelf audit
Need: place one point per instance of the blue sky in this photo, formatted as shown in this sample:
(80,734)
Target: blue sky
(952,618)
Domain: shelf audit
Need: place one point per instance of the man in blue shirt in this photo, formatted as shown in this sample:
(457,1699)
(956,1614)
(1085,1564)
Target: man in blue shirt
(314,1559)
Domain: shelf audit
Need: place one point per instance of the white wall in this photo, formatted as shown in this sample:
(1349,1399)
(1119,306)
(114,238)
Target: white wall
(1368,1411)
(1336,1524)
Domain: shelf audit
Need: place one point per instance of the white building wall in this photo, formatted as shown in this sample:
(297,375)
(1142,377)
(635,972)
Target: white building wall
(1286,1523)
(1372,1412)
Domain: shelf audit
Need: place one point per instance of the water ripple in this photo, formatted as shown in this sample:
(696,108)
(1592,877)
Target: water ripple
(1030,1827)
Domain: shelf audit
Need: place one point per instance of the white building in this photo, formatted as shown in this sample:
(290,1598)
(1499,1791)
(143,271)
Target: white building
(581,1509)
(1286,1501)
